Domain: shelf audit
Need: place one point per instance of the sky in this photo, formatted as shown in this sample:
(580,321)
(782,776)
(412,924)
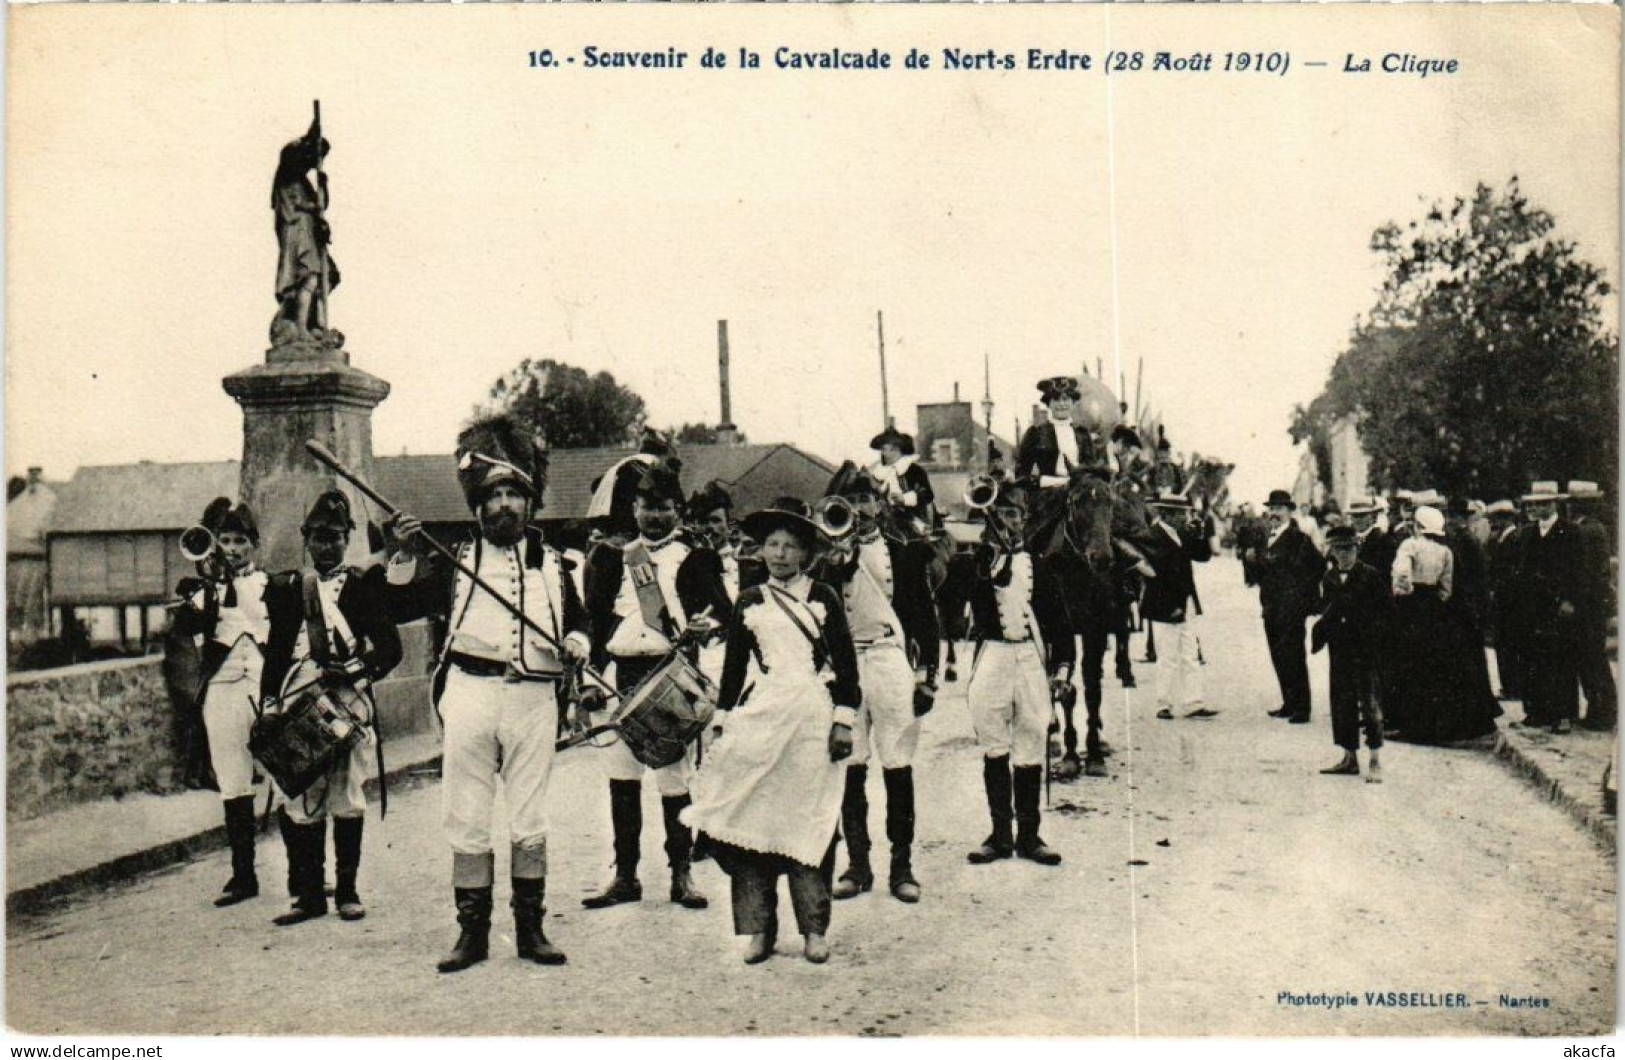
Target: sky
(1215,227)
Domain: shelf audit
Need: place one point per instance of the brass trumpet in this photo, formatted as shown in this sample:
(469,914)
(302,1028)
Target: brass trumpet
(835,517)
(980,493)
(197,543)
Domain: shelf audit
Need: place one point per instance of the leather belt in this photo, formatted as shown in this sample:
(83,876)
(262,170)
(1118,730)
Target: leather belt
(475,666)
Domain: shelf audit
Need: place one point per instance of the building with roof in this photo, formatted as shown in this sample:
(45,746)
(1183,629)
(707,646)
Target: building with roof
(28,513)
(112,549)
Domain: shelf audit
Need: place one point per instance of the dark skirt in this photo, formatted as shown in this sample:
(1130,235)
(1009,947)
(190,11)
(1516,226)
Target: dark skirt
(1440,692)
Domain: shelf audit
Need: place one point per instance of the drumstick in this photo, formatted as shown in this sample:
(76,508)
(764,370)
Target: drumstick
(320,452)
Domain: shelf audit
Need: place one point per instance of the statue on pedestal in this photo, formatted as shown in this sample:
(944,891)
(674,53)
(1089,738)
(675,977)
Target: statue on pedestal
(305,271)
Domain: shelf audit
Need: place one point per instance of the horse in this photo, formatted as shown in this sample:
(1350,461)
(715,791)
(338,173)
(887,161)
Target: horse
(1071,535)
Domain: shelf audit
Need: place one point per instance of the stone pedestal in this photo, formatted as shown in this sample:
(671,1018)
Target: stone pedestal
(303,393)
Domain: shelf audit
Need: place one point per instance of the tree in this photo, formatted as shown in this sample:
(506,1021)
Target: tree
(700,434)
(569,408)
(1485,361)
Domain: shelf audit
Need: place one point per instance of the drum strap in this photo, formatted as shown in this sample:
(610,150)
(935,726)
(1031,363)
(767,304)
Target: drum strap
(321,648)
(651,601)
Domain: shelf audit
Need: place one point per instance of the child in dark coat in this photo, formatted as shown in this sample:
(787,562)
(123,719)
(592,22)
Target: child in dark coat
(1353,603)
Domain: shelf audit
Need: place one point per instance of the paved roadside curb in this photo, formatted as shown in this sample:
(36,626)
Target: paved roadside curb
(1584,808)
(40,897)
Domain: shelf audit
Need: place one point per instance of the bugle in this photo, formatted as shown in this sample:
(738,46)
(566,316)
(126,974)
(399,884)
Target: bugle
(835,517)
(980,493)
(197,543)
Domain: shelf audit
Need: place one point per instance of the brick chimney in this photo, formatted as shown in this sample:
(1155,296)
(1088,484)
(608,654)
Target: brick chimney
(35,476)
(727,433)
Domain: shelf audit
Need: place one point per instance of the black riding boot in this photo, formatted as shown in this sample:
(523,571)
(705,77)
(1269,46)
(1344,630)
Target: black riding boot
(290,840)
(858,877)
(900,832)
(679,851)
(309,849)
(1028,781)
(999,844)
(346,863)
(626,819)
(528,913)
(244,883)
(473,943)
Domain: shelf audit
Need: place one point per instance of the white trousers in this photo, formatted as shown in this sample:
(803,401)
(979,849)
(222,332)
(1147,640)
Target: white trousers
(1179,675)
(496,728)
(672,780)
(1009,702)
(886,725)
(339,794)
(228,714)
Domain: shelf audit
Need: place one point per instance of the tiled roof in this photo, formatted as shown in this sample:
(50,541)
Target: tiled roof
(134,497)
(125,498)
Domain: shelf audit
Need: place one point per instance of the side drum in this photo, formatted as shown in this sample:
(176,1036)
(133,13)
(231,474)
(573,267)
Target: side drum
(299,745)
(666,712)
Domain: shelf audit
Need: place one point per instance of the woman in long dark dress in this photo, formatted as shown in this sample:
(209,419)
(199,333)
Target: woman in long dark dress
(1439,686)
(769,795)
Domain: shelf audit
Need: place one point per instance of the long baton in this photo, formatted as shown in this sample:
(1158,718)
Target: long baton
(320,452)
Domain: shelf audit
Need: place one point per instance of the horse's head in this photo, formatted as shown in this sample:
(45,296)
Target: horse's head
(1090,522)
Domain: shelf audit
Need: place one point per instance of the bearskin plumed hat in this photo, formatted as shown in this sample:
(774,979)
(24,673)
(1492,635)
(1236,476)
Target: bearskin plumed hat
(330,512)
(222,516)
(494,450)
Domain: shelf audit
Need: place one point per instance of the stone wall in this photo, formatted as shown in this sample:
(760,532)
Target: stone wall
(87,732)
(104,730)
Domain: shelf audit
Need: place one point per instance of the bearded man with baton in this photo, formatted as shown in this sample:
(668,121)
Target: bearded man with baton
(515,625)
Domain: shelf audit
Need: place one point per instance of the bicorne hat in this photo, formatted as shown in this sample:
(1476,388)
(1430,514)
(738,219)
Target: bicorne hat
(852,481)
(660,481)
(330,512)
(710,497)
(893,436)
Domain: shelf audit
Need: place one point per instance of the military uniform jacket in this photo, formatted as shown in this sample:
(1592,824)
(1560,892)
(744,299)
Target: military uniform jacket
(1287,573)
(1354,611)
(909,588)
(1171,552)
(1039,454)
(363,601)
(531,576)
(203,613)
(1015,597)
(694,585)
(1549,575)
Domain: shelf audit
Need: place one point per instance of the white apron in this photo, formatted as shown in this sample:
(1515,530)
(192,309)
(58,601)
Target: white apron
(768,784)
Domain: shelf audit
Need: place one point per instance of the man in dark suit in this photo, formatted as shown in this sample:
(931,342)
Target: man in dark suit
(1506,624)
(1286,570)
(1549,580)
(1353,603)
(1596,606)
(1176,540)
(337,618)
